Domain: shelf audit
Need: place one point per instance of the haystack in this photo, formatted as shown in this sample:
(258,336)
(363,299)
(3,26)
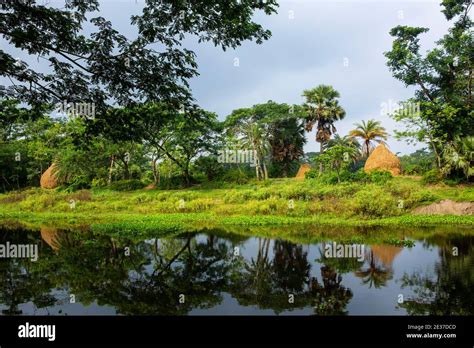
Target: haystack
(302,171)
(383,159)
(49,179)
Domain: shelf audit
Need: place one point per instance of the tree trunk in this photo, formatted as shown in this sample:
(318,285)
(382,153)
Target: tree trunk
(112,162)
(321,150)
(265,172)
(156,179)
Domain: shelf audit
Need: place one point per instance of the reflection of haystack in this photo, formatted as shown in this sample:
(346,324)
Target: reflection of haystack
(49,179)
(302,171)
(385,253)
(50,236)
(382,159)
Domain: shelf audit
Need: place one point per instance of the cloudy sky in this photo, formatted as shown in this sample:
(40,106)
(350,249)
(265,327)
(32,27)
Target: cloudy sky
(340,43)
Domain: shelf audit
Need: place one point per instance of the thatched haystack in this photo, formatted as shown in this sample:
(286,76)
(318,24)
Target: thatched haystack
(383,159)
(302,171)
(49,179)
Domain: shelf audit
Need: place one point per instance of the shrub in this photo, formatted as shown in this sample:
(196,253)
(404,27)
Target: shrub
(380,177)
(237,176)
(374,202)
(312,174)
(127,185)
(432,176)
(99,182)
(413,169)
(78,183)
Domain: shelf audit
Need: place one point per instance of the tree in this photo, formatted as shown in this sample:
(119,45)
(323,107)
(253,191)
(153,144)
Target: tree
(107,68)
(459,155)
(443,76)
(346,140)
(180,136)
(322,110)
(261,128)
(286,142)
(369,132)
(338,157)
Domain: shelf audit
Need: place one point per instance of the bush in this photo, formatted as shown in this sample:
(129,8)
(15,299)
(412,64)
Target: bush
(237,176)
(127,185)
(312,174)
(432,176)
(380,177)
(80,182)
(374,202)
(99,182)
(413,169)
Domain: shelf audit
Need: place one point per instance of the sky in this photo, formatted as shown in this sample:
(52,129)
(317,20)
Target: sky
(334,42)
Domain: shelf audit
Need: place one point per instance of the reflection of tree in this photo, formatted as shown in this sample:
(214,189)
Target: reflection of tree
(331,298)
(268,283)
(151,280)
(19,283)
(95,267)
(447,291)
(291,266)
(376,274)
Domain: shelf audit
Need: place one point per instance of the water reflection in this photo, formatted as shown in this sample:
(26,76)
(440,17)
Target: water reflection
(220,273)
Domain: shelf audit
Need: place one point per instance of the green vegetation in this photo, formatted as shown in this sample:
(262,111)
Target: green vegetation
(271,202)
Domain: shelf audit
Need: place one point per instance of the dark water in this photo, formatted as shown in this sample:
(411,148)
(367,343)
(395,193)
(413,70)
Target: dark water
(82,272)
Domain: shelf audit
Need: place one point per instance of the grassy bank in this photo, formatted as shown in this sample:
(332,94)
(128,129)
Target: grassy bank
(274,202)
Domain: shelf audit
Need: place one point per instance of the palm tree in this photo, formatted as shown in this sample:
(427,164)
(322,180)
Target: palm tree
(369,132)
(255,138)
(459,155)
(346,141)
(323,109)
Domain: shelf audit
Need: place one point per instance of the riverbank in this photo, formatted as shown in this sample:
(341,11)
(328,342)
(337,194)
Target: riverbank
(274,202)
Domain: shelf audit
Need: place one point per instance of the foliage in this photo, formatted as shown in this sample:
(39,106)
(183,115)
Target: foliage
(418,162)
(322,110)
(432,176)
(369,132)
(441,109)
(459,155)
(103,65)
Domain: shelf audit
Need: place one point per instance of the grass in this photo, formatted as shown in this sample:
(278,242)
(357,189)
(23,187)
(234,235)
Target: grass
(270,203)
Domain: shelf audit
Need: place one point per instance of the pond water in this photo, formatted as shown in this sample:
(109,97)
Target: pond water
(214,272)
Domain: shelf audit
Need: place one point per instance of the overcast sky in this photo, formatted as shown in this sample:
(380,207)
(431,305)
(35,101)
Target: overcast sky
(310,44)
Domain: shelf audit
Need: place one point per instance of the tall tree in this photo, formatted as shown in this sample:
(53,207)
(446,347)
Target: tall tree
(322,110)
(443,77)
(369,132)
